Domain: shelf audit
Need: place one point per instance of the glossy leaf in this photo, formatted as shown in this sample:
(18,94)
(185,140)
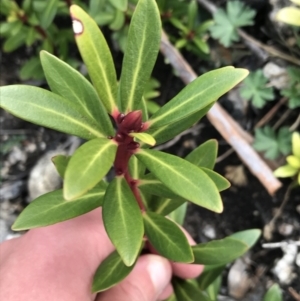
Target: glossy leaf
(273,294)
(187,290)
(136,168)
(249,237)
(151,185)
(178,215)
(183,178)
(220,182)
(123,220)
(48,13)
(52,208)
(61,163)
(169,131)
(47,109)
(204,155)
(219,252)
(167,238)
(140,55)
(96,56)
(197,95)
(209,275)
(144,137)
(164,206)
(70,84)
(110,272)
(88,165)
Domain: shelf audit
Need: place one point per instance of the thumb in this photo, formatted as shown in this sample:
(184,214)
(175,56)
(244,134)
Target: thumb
(148,281)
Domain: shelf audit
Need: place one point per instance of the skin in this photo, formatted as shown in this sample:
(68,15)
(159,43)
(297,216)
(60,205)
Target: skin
(58,262)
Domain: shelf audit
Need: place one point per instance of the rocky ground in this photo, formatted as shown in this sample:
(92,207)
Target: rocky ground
(26,172)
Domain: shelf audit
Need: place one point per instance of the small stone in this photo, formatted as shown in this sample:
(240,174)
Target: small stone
(284,267)
(16,155)
(11,190)
(3,230)
(285,229)
(278,76)
(44,176)
(239,281)
(209,231)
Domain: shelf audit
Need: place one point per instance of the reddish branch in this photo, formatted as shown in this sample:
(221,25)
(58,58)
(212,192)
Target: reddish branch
(37,28)
(126,124)
(227,127)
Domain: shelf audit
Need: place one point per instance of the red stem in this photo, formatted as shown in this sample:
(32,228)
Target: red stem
(132,122)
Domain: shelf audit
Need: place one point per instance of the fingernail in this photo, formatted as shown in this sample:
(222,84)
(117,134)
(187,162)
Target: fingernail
(159,270)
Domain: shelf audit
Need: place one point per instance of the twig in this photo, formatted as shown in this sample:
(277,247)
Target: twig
(295,125)
(225,155)
(177,138)
(294,294)
(267,117)
(282,118)
(269,227)
(275,245)
(254,45)
(223,122)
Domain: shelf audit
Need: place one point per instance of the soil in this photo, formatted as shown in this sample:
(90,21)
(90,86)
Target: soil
(246,206)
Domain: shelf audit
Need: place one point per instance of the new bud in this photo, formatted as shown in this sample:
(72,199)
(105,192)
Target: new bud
(132,122)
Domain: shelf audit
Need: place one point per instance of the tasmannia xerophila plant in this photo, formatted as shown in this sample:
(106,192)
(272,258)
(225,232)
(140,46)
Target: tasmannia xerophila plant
(112,116)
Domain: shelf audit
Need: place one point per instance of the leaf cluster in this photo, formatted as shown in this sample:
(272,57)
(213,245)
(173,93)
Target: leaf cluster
(292,92)
(292,168)
(228,21)
(271,143)
(193,33)
(111,115)
(255,89)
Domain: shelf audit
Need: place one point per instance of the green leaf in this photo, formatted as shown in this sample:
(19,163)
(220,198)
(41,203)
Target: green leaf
(110,272)
(178,215)
(289,15)
(61,163)
(296,144)
(249,237)
(136,168)
(192,14)
(273,294)
(285,171)
(47,109)
(88,165)
(118,21)
(219,252)
(214,288)
(32,69)
(140,55)
(119,4)
(220,182)
(271,143)
(167,239)
(70,84)
(15,41)
(96,56)
(52,208)
(209,275)
(31,36)
(183,178)
(123,220)
(151,185)
(202,45)
(144,137)
(227,22)
(169,131)
(164,206)
(197,95)
(255,89)
(204,155)
(187,290)
(48,14)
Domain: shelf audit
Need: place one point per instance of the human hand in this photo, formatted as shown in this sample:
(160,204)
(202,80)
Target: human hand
(57,263)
